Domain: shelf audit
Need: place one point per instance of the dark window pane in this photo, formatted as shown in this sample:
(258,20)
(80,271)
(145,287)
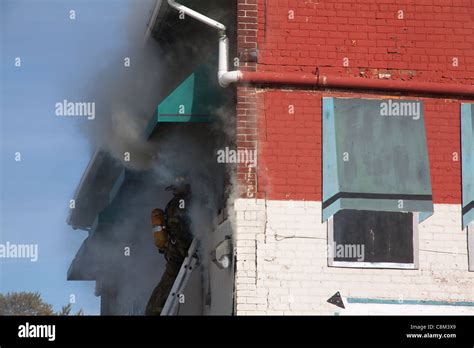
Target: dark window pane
(372,236)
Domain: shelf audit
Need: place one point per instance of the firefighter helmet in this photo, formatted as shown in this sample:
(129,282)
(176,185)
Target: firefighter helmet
(180,185)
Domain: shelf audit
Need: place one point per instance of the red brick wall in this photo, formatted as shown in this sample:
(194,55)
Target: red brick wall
(246,95)
(367,32)
(443,132)
(247,138)
(289,158)
(419,47)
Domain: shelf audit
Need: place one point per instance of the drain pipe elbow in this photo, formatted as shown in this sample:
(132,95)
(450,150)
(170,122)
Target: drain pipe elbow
(229,78)
(224,76)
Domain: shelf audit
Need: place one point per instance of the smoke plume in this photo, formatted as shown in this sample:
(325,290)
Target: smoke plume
(126,98)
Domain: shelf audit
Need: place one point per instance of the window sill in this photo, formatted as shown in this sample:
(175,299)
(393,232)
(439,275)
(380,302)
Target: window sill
(380,265)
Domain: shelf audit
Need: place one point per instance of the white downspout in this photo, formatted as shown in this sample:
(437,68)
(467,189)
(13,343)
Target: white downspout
(224,76)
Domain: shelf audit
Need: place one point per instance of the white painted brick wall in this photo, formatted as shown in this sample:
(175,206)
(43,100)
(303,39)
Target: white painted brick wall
(282,263)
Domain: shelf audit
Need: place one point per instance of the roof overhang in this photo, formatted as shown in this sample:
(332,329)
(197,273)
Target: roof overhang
(166,25)
(93,192)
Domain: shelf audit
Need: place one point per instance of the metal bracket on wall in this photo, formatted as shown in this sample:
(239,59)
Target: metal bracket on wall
(222,254)
(249,55)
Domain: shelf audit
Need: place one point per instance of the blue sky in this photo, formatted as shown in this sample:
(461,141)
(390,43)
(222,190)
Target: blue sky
(59,58)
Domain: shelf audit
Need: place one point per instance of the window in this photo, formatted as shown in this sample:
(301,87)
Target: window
(373,239)
(470,246)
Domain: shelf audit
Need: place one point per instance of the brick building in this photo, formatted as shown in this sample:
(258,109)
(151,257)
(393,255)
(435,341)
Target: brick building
(358,195)
(314,68)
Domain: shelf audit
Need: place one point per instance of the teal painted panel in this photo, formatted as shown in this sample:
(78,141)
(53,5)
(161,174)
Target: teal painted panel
(467,140)
(181,100)
(387,205)
(409,302)
(379,160)
(330,180)
(196,100)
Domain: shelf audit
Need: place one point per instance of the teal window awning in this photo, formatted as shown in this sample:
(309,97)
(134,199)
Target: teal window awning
(196,100)
(375,156)
(467,147)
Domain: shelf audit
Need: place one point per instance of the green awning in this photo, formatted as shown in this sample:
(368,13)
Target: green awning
(467,137)
(375,156)
(195,100)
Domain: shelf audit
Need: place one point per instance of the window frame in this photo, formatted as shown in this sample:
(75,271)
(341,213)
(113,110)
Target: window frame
(379,265)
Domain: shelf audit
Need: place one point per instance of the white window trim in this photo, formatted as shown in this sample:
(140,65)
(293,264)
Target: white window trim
(470,246)
(383,265)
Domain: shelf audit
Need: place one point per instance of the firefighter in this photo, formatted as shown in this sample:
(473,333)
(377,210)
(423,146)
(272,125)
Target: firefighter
(172,236)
